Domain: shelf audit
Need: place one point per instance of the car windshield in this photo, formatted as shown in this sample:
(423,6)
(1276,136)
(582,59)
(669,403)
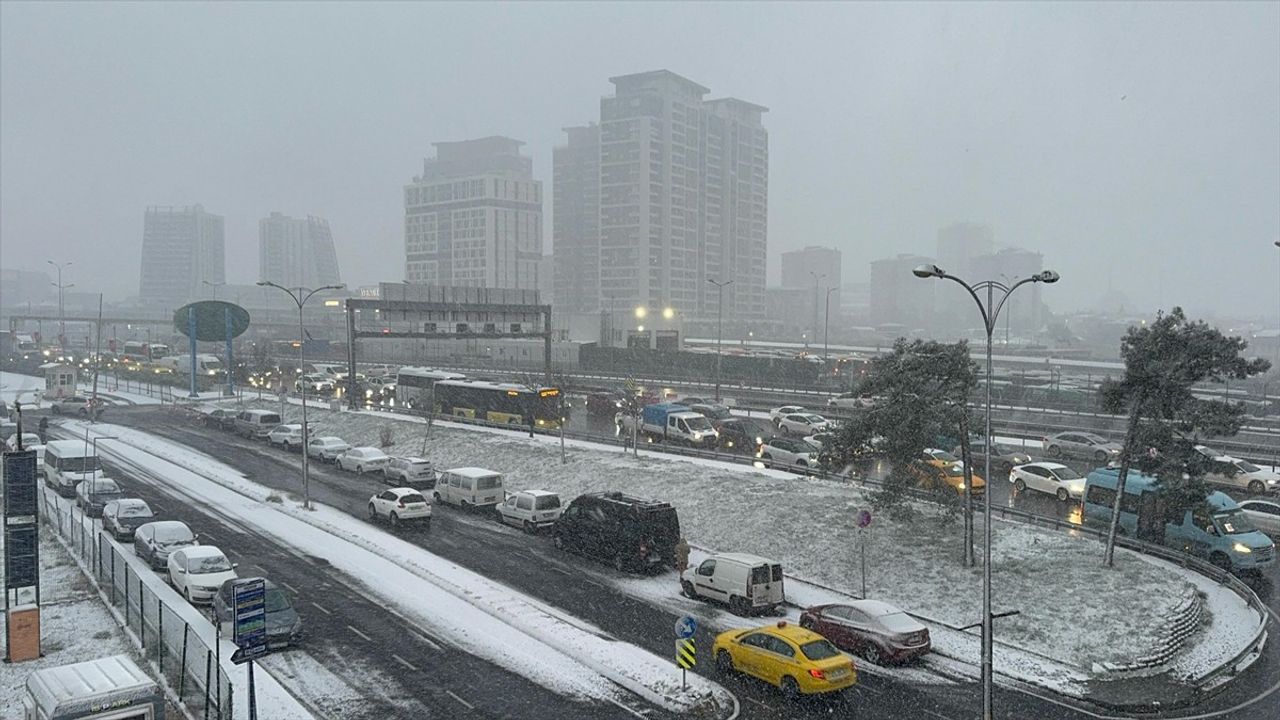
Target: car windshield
(546,502)
(899,623)
(1247,467)
(173,534)
(1233,523)
(699,423)
(819,650)
(208,564)
(412,498)
(79,464)
(276,601)
(943,455)
(134,510)
(1066,473)
(103,486)
(489,482)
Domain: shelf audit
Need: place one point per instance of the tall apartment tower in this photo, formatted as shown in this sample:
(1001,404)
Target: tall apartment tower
(182,248)
(683,197)
(474,217)
(575,222)
(960,243)
(816,269)
(296,252)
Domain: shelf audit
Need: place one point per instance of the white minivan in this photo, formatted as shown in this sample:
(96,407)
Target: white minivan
(67,463)
(256,424)
(746,583)
(469,487)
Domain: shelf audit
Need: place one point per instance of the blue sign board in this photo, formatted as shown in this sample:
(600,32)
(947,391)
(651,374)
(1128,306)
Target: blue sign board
(249,613)
(686,627)
(20,483)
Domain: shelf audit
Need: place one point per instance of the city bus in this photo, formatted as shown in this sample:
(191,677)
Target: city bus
(141,352)
(413,385)
(508,403)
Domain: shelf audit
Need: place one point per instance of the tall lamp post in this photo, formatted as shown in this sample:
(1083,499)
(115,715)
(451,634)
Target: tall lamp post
(826,323)
(990,312)
(720,286)
(817,277)
(300,296)
(1277,244)
(62,322)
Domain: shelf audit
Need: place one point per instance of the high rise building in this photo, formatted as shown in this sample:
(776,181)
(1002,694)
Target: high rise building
(960,243)
(816,269)
(474,217)
(575,222)
(182,248)
(1023,314)
(897,296)
(296,252)
(683,196)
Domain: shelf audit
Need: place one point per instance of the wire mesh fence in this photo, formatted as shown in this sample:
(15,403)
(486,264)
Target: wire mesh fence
(170,633)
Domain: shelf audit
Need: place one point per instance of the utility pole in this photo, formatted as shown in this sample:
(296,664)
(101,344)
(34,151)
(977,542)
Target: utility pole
(720,286)
(817,277)
(62,322)
(826,324)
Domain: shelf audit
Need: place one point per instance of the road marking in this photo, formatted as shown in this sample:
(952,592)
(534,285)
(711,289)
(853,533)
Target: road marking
(366,637)
(874,690)
(447,541)
(761,703)
(591,582)
(321,608)
(292,589)
(935,714)
(424,637)
(624,707)
(404,662)
(468,705)
(562,571)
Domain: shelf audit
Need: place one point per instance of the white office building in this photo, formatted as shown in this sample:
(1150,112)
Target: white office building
(182,248)
(297,252)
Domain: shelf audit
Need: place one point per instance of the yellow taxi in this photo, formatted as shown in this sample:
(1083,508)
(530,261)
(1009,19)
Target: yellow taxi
(795,660)
(952,472)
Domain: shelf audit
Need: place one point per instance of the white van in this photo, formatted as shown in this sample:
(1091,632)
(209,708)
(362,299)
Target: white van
(256,423)
(746,583)
(469,487)
(67,463)
(110,688)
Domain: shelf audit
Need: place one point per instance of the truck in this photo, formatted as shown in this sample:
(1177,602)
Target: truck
(110,688)
(206,364)
(670,422)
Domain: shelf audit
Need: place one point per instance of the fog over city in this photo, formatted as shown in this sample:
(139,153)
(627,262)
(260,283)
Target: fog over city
(1135,145)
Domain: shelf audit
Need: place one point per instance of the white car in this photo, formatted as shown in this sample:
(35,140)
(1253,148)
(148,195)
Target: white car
(776,414)
(530,509)
(327,448)
(803,424)
(784,452)
(315,383)
(1264,514)
(287,436)
(29,441)
(411,471)
(73,405)
(1237,474)
(363,459)
(1048,477)
(399,505)
(197,572)
(820,440)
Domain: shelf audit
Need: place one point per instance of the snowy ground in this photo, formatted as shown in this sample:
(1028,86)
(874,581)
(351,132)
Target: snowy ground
(1052,578)
(468,610)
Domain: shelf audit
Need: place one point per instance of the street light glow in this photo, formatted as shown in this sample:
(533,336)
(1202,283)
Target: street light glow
(641,312)
(668,313)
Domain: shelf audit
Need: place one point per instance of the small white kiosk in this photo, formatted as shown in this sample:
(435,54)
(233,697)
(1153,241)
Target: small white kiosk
(59,380)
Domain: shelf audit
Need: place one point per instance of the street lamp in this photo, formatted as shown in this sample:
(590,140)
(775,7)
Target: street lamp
(300,296)
(1277,244)
(62,322)
(826,324)
(990,312)
(720,286)
(641,312)
(817,277)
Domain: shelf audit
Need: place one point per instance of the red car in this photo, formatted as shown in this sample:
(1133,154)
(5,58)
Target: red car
(875,630)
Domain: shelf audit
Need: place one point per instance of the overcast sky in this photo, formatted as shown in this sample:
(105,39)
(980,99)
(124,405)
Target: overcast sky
(1131,144)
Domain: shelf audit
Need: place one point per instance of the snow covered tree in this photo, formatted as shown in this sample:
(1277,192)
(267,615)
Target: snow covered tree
(1163,361)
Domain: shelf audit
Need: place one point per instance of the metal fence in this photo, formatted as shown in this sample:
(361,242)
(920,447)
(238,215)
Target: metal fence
(158,622)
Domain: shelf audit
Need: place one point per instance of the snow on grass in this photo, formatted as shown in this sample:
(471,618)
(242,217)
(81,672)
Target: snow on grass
(1052,578)
(484,617)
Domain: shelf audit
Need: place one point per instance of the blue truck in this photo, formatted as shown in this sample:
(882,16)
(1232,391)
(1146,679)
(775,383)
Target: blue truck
(670,422)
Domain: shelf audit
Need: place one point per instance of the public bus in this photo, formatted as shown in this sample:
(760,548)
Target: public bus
(413,385)
(141,352)
(508,403)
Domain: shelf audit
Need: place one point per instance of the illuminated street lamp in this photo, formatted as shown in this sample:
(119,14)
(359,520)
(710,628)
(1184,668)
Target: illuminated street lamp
(668,313)
(641,312)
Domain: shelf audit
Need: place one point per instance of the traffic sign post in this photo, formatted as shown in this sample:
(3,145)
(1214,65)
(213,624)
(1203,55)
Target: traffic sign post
(685,651)
(249,628)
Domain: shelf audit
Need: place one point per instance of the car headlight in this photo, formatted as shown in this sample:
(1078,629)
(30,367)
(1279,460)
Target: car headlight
(1242,548)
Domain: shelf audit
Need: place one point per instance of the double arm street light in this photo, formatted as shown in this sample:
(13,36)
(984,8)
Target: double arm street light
(720,286)
(62,323)
(300,296)
(990,312)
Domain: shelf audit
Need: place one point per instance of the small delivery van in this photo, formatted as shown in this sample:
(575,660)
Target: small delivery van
(746,583)
(469,487)
(110,688)
(67,463)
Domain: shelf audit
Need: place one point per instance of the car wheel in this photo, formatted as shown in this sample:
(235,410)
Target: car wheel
(373,512)
(1054,451)
(1100,456)
(186,593)
(738,606)
(1062,495)
(1020,485)
(359,469)
(528,527)
(1221,560)
(872,654)
(724,662)
(436,496)
(767,458)
(686,588)
(1255,487)
(395,520)
(790,688)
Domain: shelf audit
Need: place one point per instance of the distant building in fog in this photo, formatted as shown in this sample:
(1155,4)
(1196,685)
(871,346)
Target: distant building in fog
(18,287)
(1023,314)
(296,252)
(960,243)
(182,248)
(575,218)
(897,296)
(474,217)
(815,269)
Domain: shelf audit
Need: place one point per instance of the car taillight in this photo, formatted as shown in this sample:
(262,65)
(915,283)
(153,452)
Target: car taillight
(815,672)
(401,503)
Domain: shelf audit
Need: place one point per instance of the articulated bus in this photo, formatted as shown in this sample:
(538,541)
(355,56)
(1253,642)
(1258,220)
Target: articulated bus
(413,385)
(499,402)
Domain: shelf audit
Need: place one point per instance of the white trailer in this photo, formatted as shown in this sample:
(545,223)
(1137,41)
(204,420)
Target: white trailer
(110,688)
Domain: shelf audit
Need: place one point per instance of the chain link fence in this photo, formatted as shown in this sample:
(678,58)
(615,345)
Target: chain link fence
(175,637)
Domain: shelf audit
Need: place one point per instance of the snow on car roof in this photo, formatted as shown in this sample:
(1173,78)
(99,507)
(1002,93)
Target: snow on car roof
(538,493)
(875,608)
(745,558)
(367,449)
(472,472)
(201,551)
(1046,465)
(330,439)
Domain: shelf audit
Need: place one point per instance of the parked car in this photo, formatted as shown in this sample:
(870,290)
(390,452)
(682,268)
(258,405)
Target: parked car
(288,436)
(744,434)
(469,487)
(256,424)
(122,517)
(399,505)
(850,401)
(326,448)
(413,471)
(746,583)
(776,414)
(802,424)
(1085,446)
(1265,515)
(363,459)
(93,494)
(875,630)
(819,441)
(792,659)
(28,440)
(197,573)
(220,418)
(377,389)
(782,452)
(284,626)
(530,510)
(1048,477)
(71,405)
(634,534)
(1003,458)
(1236,474)
(940,455)
(154,541)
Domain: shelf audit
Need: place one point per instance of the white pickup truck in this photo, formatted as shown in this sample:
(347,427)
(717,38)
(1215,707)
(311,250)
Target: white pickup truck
(670,422)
